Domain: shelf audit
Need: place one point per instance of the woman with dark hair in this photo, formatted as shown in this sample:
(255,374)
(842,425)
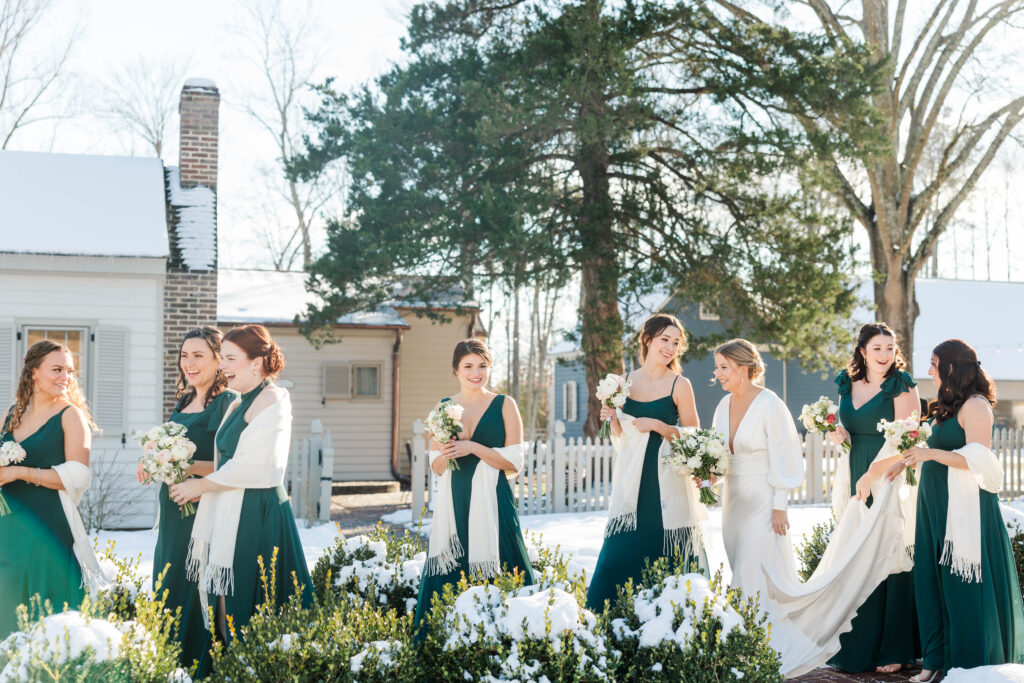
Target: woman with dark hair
(965,582)
(874,386)
(661,516)
(44,548)
(475,529)
(203,399)
(244,515)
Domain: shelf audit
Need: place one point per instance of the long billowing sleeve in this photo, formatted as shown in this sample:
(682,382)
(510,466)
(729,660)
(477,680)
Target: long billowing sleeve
(785,451)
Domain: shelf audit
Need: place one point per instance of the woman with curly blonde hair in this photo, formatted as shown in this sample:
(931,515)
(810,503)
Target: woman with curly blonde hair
(45,549)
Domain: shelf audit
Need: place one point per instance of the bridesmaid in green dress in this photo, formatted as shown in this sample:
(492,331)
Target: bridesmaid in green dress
(203,400)
(963,623)
(258,424)
(659,399)
(491,422)
(51,421)
(875,387)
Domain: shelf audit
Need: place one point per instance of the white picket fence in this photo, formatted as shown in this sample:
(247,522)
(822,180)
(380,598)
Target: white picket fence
(575,475)
(310,475)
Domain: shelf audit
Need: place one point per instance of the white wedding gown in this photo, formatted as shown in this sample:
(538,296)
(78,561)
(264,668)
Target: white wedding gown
(806,618)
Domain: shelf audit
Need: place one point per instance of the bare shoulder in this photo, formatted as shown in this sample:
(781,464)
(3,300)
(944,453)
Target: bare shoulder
(683,387)
(976,407)
(74,419)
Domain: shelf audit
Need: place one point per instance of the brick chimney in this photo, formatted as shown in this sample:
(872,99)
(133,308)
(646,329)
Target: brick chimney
(190,287)
(198,110)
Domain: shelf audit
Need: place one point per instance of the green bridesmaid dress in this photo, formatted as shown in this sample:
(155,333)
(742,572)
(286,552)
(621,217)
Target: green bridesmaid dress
(266,522)
(36,555)
(885,628)
(963,624)
(490,432)
(175,532)
(624,554)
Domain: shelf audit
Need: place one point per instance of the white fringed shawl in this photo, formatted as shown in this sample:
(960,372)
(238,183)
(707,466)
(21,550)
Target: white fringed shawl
(259,462)
(683,516)
(961,550)
(76,478)
(445,550)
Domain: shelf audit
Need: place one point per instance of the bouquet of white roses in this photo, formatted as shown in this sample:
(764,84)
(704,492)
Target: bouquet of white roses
(904,434)
(11,453)
(444,423)
(167,456)
(612,392)
(821,417)
(698,452)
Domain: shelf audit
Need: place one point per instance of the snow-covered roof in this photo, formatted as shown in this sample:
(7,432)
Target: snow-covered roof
(200,83)
(986,315)
(82,204)
(195,214)
(268,296)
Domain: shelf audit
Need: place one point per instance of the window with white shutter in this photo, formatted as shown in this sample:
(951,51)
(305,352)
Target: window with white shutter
(570,400)
(110,378)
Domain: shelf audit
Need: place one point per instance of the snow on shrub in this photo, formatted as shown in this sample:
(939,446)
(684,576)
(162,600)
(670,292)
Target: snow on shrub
(291,642)
(684,627)
(382,568)
(507,632)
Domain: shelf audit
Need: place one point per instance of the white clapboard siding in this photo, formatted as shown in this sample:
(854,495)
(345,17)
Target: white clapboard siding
(110,374)
(8,363)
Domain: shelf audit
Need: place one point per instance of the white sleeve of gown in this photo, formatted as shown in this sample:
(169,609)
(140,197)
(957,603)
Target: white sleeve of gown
(785,452)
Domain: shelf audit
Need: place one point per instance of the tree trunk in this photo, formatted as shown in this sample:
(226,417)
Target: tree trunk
(897,305)
(515,343)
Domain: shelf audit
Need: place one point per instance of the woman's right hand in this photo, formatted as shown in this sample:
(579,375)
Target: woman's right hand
(839,436)
(698,481)
(609,414)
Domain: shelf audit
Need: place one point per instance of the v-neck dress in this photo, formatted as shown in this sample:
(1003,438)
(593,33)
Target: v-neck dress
(963,624)
(490,432)
(625,554)
(36,552)
(885,628)
(175,531)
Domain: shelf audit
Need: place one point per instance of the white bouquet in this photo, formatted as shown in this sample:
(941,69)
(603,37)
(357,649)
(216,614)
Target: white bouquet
(11,453)
(444,423)
(904,434)
(167,456)
(821,417)
(699,452)
(612,391)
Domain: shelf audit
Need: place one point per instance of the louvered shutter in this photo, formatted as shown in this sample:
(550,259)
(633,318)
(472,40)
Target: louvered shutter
(8,363)
(110,375)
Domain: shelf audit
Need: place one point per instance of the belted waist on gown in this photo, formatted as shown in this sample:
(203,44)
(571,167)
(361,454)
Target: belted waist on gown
(745,464)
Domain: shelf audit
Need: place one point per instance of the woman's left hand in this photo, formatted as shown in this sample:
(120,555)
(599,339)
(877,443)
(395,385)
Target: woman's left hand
(917,454)
(780,522)
(188,490)
(648,424)
(457,448)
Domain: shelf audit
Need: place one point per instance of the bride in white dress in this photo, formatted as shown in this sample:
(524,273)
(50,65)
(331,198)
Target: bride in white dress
(765,462)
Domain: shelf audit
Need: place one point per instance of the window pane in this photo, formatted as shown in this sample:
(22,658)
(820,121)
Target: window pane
(366,380)
(74,339)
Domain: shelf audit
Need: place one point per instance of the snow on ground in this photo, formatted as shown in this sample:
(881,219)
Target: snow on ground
(1002,673)
(315,540)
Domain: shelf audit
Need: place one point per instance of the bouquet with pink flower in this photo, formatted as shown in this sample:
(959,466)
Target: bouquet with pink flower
(822,417)
(444,423)
(11,453)
(167,456)
(902,435)
(612,391)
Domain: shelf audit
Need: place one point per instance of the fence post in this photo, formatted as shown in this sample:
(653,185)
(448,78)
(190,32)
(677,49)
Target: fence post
(419,469)
(814,453)
(558,463)
(326,477)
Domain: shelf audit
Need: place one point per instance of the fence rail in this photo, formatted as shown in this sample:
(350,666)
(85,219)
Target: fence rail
(575,474)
